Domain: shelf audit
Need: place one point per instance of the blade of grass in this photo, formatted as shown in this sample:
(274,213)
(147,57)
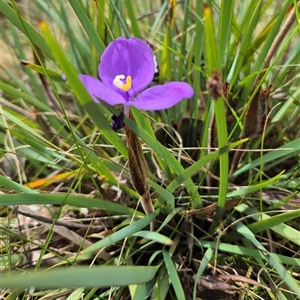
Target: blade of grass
(14,186)
(198,50)
(284,151)
(270,257)
(121,234)
(35,198)
(220,112)
(87,25)
(162,285)
(118,11)
(139,291)
(104,276)
(275,223)
(173,275)
(225,29)
(183,42)
(154,236)
(131,15)
(210,41)
(101,18)
(203,265)
(244,251)
(256,187)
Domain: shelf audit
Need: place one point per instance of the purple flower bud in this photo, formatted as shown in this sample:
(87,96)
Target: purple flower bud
(118,121)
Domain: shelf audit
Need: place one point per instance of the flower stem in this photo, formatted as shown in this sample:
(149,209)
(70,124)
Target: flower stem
(139,170)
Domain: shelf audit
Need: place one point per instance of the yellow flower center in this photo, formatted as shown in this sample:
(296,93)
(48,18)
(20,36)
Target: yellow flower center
(118,82)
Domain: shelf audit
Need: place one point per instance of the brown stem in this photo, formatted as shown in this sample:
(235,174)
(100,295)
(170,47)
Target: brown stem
(138,170)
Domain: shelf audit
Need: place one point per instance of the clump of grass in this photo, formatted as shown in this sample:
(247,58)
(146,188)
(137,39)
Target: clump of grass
(224,166)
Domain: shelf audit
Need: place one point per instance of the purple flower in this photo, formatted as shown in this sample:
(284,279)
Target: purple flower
(126,69)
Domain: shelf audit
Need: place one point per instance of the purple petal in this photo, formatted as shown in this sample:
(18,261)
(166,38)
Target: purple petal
(99,91)
(163,96)
(130,57)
